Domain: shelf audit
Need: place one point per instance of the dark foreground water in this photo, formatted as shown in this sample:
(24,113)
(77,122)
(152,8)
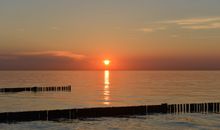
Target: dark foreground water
(113,88)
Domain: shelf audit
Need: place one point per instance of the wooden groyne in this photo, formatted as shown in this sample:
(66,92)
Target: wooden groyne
(35,89)
(68,114)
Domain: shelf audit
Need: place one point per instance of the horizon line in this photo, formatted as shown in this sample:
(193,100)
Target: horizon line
(110,69)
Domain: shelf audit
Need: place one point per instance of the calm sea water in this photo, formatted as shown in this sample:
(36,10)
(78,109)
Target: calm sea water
(113,88)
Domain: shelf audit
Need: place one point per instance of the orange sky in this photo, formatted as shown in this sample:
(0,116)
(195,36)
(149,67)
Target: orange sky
(135,35)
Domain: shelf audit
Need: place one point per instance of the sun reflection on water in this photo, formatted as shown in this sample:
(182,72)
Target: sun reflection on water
(106,91)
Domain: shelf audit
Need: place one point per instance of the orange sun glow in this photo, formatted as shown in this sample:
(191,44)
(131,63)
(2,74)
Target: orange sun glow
(106,62)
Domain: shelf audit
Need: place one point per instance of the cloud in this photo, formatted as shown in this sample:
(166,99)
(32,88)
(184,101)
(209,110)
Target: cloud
(204,23)
(146,30)
(67,54)
(196,23)
(192,21)
(43,60)
(202,27)
(151,29)
(54,28)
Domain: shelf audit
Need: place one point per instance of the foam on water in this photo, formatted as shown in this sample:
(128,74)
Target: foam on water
(151,122)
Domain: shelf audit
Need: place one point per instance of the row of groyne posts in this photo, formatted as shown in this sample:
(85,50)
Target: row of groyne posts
(36,89)
(68,114)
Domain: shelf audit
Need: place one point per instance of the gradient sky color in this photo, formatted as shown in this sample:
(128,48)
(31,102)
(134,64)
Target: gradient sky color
(134,34)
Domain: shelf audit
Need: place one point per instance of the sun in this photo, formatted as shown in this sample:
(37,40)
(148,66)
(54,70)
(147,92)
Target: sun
(106,62)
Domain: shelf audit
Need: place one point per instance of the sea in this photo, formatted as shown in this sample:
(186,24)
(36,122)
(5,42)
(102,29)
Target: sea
(113,88)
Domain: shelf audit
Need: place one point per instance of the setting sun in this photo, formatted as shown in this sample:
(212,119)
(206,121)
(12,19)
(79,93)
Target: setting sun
(106,62)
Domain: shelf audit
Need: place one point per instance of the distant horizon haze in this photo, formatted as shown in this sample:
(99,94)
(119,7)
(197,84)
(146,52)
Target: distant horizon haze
(62,62)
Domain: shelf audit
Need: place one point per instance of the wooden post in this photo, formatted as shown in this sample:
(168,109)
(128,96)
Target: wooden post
(164,108)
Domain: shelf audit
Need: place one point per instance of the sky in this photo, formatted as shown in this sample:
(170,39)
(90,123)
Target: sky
(133,34)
